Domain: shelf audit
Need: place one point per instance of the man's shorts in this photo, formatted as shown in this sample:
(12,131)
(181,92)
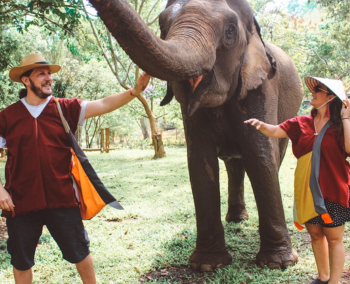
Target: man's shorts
(65,226)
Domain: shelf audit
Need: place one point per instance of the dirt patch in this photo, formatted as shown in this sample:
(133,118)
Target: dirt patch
(345,277)
(183,275)
(186,275)
(3,230)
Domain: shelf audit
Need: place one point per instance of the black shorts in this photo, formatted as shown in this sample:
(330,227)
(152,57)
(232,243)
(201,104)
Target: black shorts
(339,214)
(65,226)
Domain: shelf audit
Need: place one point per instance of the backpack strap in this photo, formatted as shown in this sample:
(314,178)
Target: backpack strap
(64,121)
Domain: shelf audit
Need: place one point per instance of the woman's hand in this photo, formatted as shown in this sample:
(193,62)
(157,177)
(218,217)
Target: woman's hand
(345,111)
(254,122)
(269,130)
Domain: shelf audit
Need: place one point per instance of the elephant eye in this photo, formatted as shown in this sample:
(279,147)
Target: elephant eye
(230,31)
(163,32)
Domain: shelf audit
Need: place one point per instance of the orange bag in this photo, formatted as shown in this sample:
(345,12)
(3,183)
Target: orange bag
(92,193)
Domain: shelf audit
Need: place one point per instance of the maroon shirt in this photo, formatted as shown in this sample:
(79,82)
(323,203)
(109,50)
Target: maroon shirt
(334,169)
(38,167)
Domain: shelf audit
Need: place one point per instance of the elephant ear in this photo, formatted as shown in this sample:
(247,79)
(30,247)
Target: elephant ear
(257,64)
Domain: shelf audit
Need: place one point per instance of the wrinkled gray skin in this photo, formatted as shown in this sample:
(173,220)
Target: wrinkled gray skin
(242,77)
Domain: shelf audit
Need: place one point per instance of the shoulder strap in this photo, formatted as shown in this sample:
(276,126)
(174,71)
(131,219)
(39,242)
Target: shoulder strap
(64,121)
(315,171)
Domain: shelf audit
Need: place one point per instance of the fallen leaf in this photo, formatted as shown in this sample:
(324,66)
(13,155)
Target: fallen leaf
(138,271)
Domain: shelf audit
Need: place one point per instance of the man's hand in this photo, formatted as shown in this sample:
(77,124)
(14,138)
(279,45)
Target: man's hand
(141,84)
(5,200)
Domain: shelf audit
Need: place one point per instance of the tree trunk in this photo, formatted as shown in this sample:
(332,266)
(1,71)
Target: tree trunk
(87,138)
(107,140)
(144,130)
(102,140)
(156,136)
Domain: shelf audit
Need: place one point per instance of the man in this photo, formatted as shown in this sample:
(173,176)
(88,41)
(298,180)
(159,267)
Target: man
(38,189)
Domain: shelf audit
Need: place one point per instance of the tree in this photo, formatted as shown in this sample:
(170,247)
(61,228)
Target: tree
(123,68)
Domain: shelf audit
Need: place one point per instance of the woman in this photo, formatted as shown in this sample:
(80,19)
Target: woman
(328,179)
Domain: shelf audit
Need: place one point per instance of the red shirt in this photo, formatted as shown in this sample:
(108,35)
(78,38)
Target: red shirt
(334,169)
(38,167)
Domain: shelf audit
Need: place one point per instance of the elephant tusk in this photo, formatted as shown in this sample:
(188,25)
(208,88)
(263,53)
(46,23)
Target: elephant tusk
(195,82)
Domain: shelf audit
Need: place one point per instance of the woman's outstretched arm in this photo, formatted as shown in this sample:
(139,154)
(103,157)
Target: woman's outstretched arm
(269,130)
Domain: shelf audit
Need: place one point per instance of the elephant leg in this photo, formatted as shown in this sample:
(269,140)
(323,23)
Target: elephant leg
(275,246)
(210,252)
(236,206)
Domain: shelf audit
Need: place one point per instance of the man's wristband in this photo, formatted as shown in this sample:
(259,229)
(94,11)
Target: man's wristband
(131,94)
(345,118)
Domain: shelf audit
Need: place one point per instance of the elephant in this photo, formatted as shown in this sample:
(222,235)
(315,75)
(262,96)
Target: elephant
(222,73)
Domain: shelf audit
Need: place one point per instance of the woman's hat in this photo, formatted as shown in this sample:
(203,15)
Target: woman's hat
(336,86)
(30,62)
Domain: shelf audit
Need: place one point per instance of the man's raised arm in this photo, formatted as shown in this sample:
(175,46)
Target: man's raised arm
(115,101)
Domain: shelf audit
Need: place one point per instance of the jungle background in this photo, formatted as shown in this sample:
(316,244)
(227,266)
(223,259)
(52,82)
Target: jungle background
(152,239)
(315,34)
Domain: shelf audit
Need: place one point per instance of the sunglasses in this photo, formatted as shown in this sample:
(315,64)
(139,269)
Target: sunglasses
(317,89)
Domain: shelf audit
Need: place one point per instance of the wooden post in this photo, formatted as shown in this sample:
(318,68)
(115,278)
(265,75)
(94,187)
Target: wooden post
(107,140)
(102,140)
(87,139)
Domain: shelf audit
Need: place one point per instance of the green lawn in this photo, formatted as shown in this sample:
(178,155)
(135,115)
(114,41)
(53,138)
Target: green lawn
(157,227)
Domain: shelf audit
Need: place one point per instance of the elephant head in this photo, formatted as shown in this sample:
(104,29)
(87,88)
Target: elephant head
(209,50)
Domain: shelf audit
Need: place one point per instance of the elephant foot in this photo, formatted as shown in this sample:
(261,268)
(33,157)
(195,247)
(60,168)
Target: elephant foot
(209,261)
(236,214)
(277,259)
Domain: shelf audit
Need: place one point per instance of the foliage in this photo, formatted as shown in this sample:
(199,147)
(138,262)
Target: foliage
(23,13)
(317,44)
(299,7)
(338,9)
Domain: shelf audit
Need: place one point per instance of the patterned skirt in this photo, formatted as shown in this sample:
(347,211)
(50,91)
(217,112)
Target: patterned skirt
(339,214)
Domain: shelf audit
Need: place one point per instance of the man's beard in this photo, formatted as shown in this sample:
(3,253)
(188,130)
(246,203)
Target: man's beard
(37,91)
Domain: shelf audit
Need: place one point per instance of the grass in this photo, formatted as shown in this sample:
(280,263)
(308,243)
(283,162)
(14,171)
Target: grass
(157,229)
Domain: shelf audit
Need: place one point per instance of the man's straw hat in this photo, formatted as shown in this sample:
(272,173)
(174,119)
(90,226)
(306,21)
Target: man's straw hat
(30,62)
(336,86)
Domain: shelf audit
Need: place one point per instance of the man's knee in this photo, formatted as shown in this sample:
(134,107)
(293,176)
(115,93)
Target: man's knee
(23,276)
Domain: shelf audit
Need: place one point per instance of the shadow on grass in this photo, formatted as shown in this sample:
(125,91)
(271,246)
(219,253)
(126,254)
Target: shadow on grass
(241,241)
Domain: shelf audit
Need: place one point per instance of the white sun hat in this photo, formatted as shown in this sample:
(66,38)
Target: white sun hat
(336,86)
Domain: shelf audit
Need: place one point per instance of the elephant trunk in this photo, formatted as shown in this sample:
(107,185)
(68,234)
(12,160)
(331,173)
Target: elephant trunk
(170,60)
